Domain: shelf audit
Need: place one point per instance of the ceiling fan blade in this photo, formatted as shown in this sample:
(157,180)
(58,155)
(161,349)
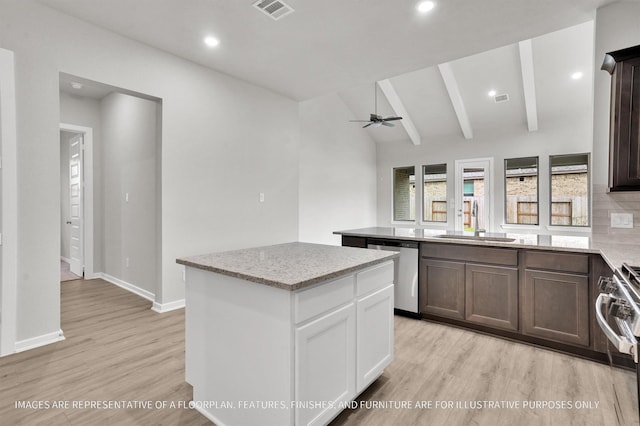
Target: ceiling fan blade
(391,118)
(367,125)
(384,123)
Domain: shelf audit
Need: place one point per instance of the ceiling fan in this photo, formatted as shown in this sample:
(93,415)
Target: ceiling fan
(376,120)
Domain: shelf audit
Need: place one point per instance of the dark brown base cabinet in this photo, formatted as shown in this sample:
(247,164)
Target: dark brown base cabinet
(543,297)
(492,296)
(538,296)
(556,306)
(485,293)
(442,288)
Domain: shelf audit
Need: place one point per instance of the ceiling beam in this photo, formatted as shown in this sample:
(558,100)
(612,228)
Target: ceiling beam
(528,83)
(399,110)
(456,99)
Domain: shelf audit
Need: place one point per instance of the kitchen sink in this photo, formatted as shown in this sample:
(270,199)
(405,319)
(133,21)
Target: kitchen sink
(476,238)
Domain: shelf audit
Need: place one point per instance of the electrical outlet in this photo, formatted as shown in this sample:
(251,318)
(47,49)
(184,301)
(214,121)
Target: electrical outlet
(262,197)
(126,262)
(622,220)
(126,197)
(184,274)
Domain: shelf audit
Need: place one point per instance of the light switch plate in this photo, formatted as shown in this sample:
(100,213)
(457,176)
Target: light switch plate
(622,220)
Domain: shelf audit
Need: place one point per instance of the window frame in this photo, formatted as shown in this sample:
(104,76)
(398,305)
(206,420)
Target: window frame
(393,196)
(506,222)
(588,193)
(446,196)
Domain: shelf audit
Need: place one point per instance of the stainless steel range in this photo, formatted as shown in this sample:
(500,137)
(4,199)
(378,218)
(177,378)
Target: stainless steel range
(618,314)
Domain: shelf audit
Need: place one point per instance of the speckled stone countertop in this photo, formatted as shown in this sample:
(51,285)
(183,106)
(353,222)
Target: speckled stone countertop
(614,253)
(289,266)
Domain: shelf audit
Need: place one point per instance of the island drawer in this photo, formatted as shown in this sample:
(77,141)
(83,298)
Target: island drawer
(555,261)
(374,278)
(470,254)
(322,298)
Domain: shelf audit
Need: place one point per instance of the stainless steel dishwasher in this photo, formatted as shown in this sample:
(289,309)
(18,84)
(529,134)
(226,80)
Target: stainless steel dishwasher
(406,272)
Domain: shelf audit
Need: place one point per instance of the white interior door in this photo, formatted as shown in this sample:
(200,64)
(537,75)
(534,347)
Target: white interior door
(75,206)
(473,190)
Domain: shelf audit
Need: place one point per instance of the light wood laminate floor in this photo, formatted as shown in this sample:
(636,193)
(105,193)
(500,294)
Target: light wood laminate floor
(117,349)
(444,364)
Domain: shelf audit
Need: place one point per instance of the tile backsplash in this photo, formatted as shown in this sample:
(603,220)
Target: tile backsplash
(605,203)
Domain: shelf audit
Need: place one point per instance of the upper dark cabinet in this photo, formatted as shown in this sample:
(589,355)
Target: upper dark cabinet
(624,139)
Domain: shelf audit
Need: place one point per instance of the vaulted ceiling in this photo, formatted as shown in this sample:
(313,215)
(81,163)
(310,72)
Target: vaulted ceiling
(329,45)
(434,69)
(552,94)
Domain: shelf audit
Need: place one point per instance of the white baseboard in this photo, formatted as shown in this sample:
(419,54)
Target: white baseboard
(128,286)
(209,416)
(35,342)
(166,307)
(157,307)
(93,276)
(64,259)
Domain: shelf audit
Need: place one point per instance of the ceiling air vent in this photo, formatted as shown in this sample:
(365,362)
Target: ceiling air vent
(501,98)
(275,9)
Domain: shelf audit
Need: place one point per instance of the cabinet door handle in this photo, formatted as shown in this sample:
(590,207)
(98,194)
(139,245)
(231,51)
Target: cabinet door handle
(68,222)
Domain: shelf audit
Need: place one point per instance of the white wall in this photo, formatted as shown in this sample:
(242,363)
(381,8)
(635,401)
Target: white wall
(223,141)
(129,155)
(552,139)
(337,171)
(85,112)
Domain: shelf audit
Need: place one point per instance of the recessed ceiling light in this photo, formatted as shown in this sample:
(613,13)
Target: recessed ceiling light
(576,75)
(211,41)
(425,6)
(492,93)
(76,85)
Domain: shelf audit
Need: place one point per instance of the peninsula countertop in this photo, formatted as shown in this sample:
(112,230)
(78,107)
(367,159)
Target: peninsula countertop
(613,253)
(289,266)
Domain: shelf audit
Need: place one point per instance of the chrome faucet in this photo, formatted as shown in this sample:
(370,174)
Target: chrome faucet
(474,214)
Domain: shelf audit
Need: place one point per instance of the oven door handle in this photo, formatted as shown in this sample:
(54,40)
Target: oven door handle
(625,344)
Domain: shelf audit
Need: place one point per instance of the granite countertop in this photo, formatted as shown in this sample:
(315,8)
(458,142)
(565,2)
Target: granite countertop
(613,253)
(289,266)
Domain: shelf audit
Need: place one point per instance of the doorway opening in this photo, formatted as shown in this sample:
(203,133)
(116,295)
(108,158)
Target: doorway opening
(76,202)
(111,214)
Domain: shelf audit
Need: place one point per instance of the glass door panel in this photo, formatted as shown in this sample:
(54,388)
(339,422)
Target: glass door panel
(473,195)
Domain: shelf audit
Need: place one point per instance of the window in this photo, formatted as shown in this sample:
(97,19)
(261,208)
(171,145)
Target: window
(521,190)
(569,190)
(404,194)
(434,202)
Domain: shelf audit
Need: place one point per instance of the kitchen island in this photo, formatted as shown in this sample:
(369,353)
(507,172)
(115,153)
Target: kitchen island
(286,334)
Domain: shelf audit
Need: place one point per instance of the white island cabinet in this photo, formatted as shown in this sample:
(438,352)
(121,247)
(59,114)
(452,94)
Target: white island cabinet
(286,334)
